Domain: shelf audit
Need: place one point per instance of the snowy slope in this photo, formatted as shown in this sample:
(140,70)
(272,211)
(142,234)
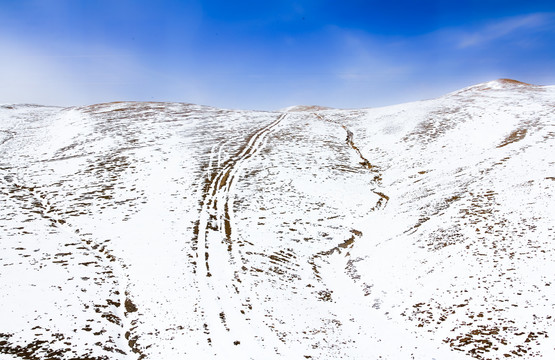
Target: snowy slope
(164,231)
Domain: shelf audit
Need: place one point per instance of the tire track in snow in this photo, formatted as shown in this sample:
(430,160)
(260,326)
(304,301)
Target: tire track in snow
(226,326)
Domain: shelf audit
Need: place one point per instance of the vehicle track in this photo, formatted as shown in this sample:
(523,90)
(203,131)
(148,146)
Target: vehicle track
(227,327)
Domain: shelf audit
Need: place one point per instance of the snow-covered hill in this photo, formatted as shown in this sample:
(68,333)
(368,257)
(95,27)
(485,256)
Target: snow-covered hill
(175,231)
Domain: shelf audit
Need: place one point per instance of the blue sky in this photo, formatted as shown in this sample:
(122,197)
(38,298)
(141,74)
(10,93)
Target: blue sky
(268,54)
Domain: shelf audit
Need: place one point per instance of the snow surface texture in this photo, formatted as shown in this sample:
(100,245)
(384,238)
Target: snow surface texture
(175,231)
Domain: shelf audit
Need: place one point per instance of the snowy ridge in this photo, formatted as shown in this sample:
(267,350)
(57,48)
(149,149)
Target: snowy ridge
(160,230)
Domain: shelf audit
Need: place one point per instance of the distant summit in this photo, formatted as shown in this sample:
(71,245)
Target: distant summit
(306,108)
(512,82)
(499,84)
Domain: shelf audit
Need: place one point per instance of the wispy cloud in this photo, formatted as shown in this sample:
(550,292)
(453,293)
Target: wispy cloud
(71,74)
(366,57)
(505,28)
(26,76)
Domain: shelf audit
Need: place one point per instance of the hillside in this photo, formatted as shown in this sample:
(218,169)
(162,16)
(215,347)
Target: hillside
(165,230)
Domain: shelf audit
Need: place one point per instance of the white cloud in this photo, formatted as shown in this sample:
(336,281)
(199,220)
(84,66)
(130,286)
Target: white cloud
(75,74)
(33,73)
(366,58)
(70,74)
(26,76)
(503,28)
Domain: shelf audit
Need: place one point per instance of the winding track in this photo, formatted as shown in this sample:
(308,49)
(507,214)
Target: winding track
(384,199)
(227,328)
(10,135)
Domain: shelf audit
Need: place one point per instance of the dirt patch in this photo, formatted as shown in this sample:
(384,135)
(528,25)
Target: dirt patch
(513,82)
(515,136)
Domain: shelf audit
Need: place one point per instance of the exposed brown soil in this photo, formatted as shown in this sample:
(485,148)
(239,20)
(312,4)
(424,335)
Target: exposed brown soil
(513,82)
(515,136)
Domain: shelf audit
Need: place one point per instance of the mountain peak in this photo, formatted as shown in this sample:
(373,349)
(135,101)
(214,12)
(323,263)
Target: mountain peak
(498,84)
(512,82)
(306,108)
